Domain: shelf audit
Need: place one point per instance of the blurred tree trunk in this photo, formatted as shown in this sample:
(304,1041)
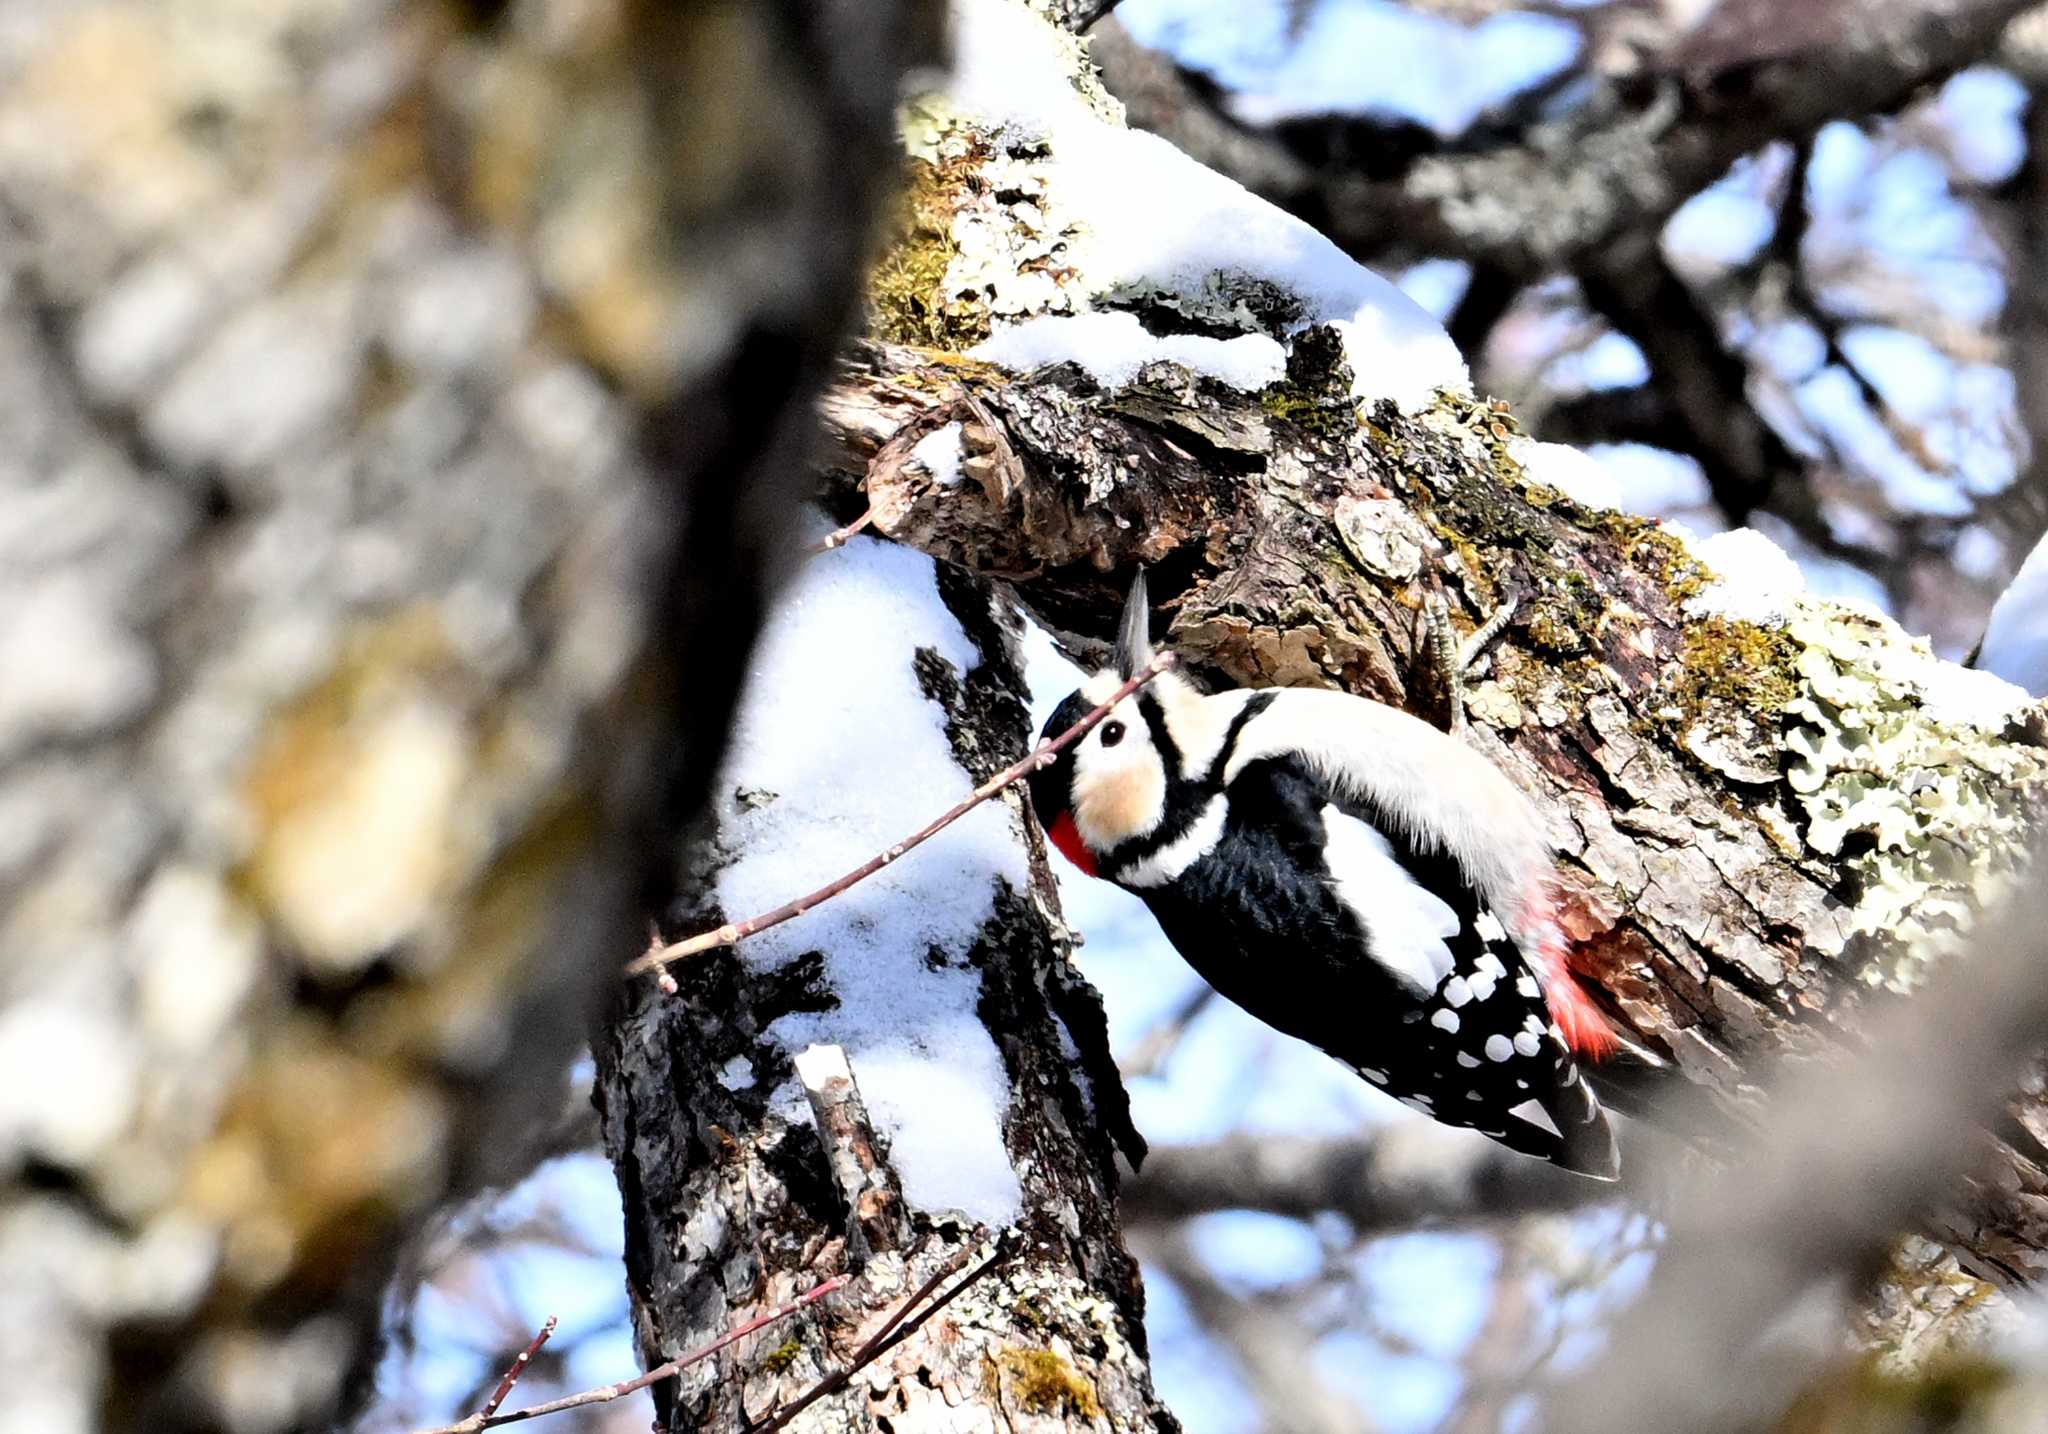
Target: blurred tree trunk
(377,381)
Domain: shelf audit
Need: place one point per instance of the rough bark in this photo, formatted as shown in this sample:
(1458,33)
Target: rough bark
(361,363)
(1763,830)
(738,1198)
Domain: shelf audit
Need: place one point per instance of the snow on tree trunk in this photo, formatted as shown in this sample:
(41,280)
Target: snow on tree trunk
(885,690)
(1769,810)
(336,337)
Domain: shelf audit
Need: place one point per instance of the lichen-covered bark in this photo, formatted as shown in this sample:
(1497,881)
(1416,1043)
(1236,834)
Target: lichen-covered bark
(359,364)
(1759,829)
(734,1203)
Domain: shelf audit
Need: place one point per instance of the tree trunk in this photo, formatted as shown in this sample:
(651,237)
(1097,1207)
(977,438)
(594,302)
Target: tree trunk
(360,363)
(741,1193)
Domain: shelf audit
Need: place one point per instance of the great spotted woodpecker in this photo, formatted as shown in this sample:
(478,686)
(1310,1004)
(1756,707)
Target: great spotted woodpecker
(1349,875)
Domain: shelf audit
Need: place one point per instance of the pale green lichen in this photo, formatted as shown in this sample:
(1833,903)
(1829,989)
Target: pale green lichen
(1007,238)
(1901,767)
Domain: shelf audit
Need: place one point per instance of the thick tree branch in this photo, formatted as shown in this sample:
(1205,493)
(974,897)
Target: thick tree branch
(407,406)
(1711,892)
(1887,1136)
(1399,1178)
(1664,115)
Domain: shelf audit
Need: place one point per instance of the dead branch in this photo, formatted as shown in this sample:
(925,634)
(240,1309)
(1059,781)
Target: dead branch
(874,1205)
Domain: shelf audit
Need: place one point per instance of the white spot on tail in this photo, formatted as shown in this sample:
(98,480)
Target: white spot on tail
(1445,1021)
(1499,1048)
(1536,1115)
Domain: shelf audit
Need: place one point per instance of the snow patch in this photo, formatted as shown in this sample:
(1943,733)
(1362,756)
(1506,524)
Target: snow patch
(1578,475)
(833,726)
(2016,639)
(1968,697)
(1754,581)
(940,453)
(1154,219)
(1113,346)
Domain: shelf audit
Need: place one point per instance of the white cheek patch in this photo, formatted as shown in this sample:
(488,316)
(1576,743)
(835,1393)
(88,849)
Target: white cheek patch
(1409,927)
(1119,792)
(1183,851)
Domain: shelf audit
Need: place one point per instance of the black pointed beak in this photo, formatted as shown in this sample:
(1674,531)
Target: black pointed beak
(1134,632)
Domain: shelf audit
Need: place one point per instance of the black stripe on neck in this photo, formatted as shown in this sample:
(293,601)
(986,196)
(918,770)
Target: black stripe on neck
(1162,740)
(1258,703)
(1185,798)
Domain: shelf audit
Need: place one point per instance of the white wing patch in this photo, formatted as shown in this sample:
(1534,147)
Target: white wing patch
(1410,927)
(1536,1115)
(1183,851)
(1430,785)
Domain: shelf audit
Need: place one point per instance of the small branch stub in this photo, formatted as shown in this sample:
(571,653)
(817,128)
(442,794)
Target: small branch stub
(874,1206)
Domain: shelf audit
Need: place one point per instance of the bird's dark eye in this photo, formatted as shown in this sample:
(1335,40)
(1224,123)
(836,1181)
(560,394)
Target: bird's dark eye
(1112,733)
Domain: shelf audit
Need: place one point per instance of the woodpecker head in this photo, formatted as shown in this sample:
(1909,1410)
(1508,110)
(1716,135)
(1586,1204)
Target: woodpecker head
(1111,786)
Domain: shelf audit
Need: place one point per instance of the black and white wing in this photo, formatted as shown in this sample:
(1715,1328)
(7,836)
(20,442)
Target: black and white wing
(1315,912)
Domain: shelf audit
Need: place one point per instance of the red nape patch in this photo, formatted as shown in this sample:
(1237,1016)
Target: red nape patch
(1067,837)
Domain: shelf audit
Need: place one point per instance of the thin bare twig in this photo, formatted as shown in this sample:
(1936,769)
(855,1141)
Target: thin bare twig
(839,537)
(1041,756)
(604,1394)
(893,1332)
(512,1374)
